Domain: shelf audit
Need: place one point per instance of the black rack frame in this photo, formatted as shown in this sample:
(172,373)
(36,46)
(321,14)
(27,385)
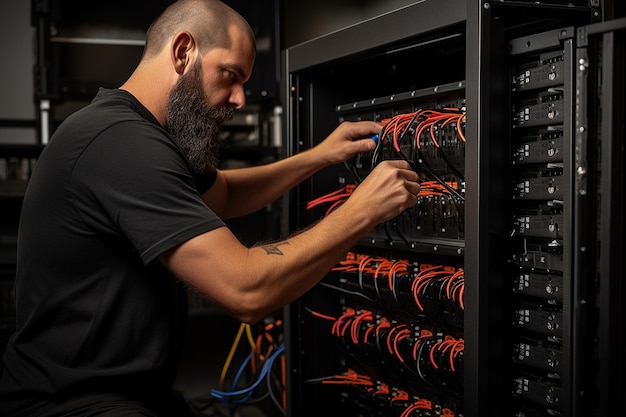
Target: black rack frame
(491,33)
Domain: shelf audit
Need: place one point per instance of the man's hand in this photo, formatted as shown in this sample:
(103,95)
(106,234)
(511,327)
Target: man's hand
(348,139)
(387,191)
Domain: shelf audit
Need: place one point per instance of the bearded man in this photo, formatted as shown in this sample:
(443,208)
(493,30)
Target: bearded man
(125,209)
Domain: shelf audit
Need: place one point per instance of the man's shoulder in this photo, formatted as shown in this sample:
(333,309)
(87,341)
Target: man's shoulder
(110,111)
(116,105)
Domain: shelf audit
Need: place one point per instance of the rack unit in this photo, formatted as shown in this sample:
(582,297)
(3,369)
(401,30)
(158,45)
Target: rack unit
(487,298)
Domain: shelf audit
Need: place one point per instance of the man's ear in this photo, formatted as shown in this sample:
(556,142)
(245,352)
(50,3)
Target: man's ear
(183,46)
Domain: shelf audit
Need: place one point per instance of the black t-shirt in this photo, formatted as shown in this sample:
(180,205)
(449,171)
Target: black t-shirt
(96,312)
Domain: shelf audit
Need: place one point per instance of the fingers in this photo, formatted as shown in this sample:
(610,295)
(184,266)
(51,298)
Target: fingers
(348,139)
(413,187)
(362,129)
(394,176)
(400,164)
(387,191)
(408,178)
(411,179)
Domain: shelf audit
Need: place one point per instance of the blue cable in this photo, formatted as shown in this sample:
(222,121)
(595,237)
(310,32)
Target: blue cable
(227,396)
(240,371)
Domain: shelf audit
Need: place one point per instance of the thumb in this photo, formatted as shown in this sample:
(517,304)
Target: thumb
(363,145)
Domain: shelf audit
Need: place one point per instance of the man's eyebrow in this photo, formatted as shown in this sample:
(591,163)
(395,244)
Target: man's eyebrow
(237,70)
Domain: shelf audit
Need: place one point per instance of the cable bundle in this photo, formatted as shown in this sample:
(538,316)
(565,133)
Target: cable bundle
(378,267)
(426,291)
(422,125)
(433,358)
(336,198)
(260,364)
(436,189)
(387,399)
(409,134)
(432,141)
(438,359)
(437,283)
(241,396)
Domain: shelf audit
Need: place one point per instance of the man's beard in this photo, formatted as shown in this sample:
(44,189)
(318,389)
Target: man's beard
(194,124)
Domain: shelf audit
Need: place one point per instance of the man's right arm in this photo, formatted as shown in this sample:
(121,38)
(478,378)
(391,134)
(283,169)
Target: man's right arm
(253,282)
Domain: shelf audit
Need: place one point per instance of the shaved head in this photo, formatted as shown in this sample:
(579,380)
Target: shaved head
(208,21)
(197,57)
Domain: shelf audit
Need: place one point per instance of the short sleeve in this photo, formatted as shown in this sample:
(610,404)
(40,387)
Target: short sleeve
(133,182)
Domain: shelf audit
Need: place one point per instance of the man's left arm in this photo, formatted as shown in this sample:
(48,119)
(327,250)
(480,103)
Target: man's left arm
(242,191)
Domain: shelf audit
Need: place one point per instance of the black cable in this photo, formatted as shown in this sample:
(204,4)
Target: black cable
(388,233)
(419,359)
(408,127)
(399,233)
(378,148)
(427,169)
(443,154)
(356,293)
(352,168)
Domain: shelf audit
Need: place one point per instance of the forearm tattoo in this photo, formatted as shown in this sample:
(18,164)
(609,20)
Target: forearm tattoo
(272,248)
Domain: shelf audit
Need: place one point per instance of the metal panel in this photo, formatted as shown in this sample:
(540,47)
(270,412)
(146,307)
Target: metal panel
(600,126)
(486,179)
(416,19)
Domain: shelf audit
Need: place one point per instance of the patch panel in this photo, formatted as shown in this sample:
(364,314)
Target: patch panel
(434,143)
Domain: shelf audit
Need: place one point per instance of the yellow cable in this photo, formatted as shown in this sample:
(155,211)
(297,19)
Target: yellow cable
(230,355)
(250,338)
(253,348)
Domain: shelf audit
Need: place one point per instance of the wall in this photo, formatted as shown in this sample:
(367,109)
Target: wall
(16,87)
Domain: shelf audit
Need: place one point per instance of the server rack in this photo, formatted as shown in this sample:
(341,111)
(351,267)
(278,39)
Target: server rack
(523,319)
(383,55)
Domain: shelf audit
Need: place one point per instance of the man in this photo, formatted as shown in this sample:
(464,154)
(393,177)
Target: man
(125,205)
